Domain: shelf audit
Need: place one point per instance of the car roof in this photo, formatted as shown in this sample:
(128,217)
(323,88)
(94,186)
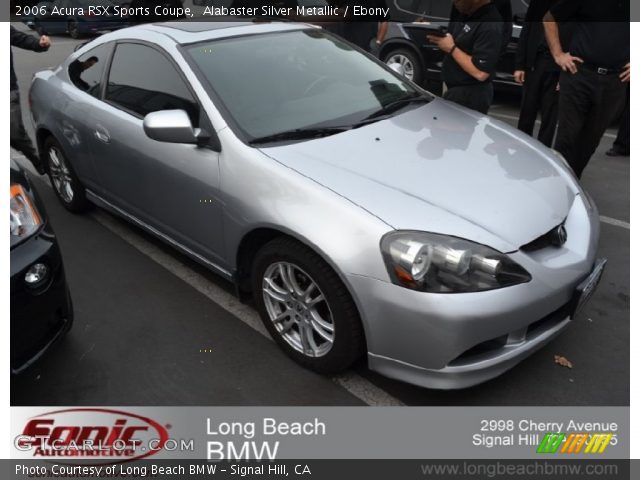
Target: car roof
(184,32)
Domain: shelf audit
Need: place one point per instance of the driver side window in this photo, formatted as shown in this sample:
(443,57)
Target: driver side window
(142,80)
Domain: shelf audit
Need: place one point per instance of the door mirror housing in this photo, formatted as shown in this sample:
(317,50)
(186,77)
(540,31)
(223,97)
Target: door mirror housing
(172,126)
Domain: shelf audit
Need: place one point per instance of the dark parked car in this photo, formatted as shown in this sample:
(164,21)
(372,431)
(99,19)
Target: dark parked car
(41,309)
(63,16)
(406,41)
(30,12)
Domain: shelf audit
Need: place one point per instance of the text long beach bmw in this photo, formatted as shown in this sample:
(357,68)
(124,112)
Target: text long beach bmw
(364,215)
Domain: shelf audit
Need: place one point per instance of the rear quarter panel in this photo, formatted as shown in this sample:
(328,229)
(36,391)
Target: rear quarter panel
(59,109)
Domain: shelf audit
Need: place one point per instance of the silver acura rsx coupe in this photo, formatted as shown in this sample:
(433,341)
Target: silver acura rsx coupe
(363,214)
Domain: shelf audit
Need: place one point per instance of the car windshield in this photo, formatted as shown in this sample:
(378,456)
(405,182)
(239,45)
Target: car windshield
(306,79)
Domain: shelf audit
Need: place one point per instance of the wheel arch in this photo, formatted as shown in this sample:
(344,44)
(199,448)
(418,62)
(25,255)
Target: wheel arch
(42,134)
(256,238)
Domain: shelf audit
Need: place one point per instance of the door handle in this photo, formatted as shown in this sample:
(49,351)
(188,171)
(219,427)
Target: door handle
(102,135)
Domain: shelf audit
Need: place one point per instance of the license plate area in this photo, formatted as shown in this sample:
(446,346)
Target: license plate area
(585,290)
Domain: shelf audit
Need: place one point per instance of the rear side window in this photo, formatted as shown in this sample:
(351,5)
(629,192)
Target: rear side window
(86,71)
(142,80)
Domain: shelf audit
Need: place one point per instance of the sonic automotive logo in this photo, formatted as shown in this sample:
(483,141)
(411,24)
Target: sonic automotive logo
(92,432)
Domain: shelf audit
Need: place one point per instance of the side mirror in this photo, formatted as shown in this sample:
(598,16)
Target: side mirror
(172,126)
(397,67)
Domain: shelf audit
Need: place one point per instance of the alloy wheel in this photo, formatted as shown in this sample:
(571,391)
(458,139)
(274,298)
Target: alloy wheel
(298,309)
(406,63)
(60,175)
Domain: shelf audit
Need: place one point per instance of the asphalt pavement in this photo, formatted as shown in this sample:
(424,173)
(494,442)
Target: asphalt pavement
(154,328)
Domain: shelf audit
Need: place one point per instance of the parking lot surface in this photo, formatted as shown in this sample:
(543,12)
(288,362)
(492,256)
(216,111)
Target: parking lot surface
(154,328)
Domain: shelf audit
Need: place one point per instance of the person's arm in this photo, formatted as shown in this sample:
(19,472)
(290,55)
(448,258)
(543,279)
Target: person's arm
(625,76)
(383,23)
(383,27)
(562,11)
(466,62)
(29,42)
(448,46)
(482,61)
(565,60)
(521,53)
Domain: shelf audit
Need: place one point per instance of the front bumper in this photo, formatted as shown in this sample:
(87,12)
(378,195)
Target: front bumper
(466,371)
(39,317)
(456,341)
(449,341)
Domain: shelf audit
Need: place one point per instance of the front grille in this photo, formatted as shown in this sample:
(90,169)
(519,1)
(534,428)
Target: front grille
(543,241)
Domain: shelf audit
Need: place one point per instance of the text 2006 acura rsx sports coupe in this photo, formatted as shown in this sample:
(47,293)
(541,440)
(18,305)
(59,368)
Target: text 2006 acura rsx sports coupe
(364,215)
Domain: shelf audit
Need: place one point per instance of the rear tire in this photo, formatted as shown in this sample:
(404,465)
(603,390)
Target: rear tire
(66,185)
(317,325)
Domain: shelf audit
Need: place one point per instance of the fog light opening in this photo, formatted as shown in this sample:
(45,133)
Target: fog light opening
(37,275)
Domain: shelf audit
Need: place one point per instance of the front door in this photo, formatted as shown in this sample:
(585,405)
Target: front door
(171,187)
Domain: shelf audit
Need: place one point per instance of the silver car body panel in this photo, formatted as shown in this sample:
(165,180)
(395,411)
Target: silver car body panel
(420,161)
(438,168)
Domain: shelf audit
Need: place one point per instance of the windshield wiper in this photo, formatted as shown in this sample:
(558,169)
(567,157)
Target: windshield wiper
(299,134)
(394,105)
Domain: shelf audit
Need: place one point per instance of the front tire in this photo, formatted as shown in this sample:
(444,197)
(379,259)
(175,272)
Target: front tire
(64,180)
(305,307)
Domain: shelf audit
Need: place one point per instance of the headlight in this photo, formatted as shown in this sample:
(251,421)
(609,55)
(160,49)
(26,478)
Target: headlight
(25,219)
(436,263)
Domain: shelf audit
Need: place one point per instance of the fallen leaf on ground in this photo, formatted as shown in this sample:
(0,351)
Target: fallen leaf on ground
(562,361)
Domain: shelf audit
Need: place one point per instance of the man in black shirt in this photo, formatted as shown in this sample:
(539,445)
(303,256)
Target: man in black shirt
(595,68)
(505,11)
(19,138)
(538,74)
(472,51)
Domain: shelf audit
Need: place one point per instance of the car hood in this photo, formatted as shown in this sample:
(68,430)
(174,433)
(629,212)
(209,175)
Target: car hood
(442,168)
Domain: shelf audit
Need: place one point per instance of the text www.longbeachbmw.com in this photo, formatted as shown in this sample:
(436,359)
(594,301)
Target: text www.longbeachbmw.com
(534,468)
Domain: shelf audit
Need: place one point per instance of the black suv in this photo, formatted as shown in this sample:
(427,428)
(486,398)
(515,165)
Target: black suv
(406,42)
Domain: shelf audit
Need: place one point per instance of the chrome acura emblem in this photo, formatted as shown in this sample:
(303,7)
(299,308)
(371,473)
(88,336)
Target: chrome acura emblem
(559,236)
